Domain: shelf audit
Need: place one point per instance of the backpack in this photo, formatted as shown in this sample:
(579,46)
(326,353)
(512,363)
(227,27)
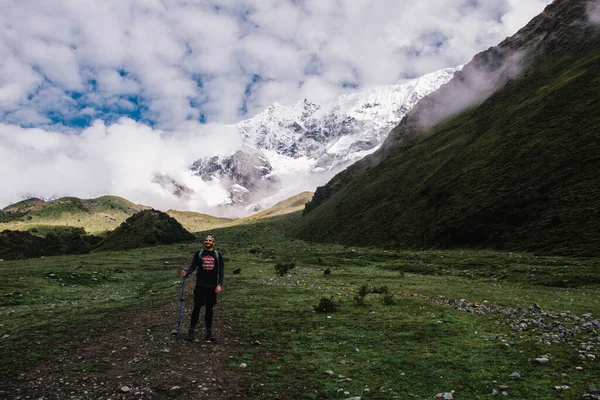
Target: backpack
(217,256)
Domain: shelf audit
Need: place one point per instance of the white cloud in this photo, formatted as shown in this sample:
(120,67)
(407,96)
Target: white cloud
(594,12)
(119,159)
(165,48)
(178,61)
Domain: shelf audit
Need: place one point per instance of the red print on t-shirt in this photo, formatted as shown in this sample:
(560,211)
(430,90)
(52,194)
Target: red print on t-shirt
(208,263)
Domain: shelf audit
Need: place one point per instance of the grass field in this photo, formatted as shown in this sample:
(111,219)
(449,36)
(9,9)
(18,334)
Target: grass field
(392,335)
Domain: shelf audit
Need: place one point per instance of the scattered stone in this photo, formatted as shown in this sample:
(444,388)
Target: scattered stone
(514,375)
(502,387)
(592,390)
(243,365)
(494,392)
(353,398)
(445,396)
(125,389)
(329,372)
(562,387)
(5,336)
(578,368)
(541,360)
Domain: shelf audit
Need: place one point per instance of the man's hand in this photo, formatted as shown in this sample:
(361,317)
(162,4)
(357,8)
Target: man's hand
(183,273)
(218,289)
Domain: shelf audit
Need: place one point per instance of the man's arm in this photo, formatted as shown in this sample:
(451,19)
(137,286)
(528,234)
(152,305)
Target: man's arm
(193,266)
(221,270)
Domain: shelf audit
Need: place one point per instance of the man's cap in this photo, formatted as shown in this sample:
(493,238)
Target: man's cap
(210,236)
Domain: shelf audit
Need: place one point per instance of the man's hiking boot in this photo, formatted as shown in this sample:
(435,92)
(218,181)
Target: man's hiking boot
(209,336)
(190,337)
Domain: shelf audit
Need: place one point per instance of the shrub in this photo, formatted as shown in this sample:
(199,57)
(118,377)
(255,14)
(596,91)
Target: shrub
(282,268)
(364,290)
(381,290)
(359,300)
(326,305)
(327,271)
(388,299)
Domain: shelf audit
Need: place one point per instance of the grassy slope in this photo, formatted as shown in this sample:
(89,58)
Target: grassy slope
(146,228)
(94,215)
(108,212)
(393,350)
(293,204)
(521,172)
(194,222)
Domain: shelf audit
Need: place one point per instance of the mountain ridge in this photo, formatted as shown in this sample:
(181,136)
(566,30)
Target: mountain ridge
(311,139)
(517,170)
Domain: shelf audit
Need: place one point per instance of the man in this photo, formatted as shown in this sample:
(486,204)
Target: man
(209,283)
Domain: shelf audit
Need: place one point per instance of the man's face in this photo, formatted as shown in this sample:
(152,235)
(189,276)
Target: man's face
(209,243)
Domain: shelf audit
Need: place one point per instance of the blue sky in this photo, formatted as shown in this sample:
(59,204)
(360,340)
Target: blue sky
(161,63)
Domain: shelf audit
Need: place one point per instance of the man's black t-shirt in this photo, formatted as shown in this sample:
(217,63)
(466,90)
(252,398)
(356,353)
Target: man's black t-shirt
(209,266)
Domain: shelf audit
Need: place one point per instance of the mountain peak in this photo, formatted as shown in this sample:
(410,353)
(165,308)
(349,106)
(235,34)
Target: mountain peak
(314,139)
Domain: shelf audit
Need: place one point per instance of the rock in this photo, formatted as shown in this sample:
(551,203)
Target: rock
(494,392)
(502,387)
(592,390)
(243,365)
(541,360)
(562,387)
(514,375)
(353,398)
(5,336)
(329,372)
(125,389)
(175,388)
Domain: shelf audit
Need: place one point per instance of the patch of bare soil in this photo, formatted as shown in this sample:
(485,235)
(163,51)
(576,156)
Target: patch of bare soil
(134,355)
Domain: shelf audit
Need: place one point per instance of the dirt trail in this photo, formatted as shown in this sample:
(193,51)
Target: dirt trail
(135,348)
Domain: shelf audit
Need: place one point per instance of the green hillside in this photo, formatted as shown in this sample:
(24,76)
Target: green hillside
(16,245)
(519,171)
(94,215)
(196,222)
(146,228)
(293,204)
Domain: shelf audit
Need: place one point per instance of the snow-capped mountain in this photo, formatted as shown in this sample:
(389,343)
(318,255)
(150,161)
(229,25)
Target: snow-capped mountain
(312,139)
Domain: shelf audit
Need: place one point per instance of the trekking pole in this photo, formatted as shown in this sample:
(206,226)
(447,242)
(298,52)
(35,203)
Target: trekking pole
(180,306)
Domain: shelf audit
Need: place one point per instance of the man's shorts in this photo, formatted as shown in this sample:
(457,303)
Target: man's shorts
(205,296)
